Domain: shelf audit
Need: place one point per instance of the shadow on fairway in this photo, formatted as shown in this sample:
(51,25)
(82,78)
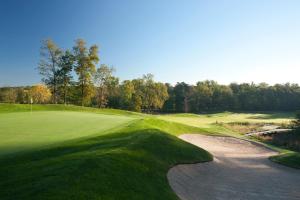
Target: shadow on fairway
(129,164)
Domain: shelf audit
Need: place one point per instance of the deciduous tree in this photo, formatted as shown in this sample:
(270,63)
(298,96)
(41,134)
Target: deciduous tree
(65,76)
(49,66)
(86,60)
(104,82)
(40,94)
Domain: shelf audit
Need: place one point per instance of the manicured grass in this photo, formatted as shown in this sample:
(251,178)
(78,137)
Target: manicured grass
(212,122)
(24,130)
(285,157)
(72,152)
(207,123)
(102,157)
(12,108)
(291,159)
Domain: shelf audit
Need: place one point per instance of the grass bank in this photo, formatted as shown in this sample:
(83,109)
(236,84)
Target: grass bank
(216,124)
(127,161)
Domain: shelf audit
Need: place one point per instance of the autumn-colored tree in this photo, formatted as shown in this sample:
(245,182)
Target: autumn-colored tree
(103,79)
(40,94)
(85,68)
(49,66)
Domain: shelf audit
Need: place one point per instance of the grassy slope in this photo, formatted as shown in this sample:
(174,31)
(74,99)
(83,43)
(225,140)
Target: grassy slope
(291,159)
(207,122)
(286,157)
(128,163)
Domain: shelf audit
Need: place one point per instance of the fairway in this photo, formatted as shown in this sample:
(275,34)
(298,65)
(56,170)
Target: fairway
(24,130)
(211,122)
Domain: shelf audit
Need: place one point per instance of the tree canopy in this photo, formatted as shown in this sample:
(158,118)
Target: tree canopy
(74,76)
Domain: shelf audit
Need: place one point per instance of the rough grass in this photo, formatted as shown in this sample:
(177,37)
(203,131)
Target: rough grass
(212,122)
(221,124)
(128,162)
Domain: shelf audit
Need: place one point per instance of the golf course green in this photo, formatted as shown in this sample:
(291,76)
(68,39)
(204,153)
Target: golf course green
(71,152)
(77,153)
(25,130)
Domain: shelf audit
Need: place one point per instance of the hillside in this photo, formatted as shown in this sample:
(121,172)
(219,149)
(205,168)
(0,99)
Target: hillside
(123,156)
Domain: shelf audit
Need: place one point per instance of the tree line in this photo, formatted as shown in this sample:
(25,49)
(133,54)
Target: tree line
(74,76)
(208,96)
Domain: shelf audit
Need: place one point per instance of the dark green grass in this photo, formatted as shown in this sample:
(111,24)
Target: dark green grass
(291,159)
(126,163)
(285,157)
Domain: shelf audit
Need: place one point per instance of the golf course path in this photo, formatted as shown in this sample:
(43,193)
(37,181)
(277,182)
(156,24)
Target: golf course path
(240,170)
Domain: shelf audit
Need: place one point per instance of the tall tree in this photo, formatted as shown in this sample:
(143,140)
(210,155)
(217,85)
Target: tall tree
(169,105)
(86,60)
(103,79)
(49,66)
(183,93)
(126,94)
(65,76)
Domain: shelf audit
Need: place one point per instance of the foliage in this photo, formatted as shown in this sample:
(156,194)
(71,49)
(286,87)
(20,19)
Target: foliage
(143,94)
(40,94)
(105,82)
(98,87)
(66,66)
(208,96)
(86,60)
(49,66)
(8,95)
(182,97)
(153,94)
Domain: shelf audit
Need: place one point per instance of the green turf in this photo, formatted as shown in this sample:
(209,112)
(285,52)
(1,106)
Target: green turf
(91,155)
(72,152)
(24,130)
(291,159)
(12,108)
(213,122)
(285,157)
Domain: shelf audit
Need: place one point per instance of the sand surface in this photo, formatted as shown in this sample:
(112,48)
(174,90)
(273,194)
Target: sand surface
(240,170)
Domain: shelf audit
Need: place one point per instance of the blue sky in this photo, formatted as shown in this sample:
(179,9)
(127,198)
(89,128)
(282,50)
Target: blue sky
(227,41)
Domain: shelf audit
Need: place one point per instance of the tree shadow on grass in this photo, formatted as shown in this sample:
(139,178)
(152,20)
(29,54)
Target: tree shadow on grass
(128,164)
